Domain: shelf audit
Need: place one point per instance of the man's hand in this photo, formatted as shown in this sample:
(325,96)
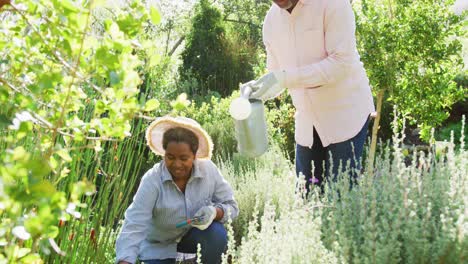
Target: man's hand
(124,262)
(268,86)
(206,215)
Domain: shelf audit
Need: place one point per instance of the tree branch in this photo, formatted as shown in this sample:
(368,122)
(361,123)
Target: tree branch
(176,46)
(242,22)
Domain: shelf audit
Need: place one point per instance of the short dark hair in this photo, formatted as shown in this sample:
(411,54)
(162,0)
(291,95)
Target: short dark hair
(180,135)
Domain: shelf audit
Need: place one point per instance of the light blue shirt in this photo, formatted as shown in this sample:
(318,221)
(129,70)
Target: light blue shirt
(149,230)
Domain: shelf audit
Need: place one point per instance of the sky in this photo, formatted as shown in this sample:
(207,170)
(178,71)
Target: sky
(460,6)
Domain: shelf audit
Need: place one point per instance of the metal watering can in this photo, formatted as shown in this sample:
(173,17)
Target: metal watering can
(250,125)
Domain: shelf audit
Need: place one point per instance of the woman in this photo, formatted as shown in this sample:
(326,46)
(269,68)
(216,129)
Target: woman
(185,185)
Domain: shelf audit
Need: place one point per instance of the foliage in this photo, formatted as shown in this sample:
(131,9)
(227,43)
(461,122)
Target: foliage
(174,25)
(210,58)
(116,172)
(215,119)
(76,80)
(412,50)
(405,214)
(281,127)
(245,17)
(256,181)
(65,89)
(445,133)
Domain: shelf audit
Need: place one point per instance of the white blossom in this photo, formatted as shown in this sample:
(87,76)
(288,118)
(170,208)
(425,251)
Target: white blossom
(21,233)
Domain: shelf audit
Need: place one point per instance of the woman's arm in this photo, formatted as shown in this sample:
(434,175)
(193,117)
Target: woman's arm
(137,219)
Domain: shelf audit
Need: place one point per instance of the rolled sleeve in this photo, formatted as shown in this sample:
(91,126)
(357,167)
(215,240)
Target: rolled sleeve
(137,219)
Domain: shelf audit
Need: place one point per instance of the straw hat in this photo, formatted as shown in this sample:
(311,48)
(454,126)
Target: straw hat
(155,132)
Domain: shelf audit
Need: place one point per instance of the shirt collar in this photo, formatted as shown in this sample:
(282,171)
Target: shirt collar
(196,171)
(298,6)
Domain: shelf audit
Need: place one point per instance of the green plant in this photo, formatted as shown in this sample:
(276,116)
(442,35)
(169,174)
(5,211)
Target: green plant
(214,117)
(405,213)
(445,133)
(280,117)
(211,61)
(411,50)
(69,92)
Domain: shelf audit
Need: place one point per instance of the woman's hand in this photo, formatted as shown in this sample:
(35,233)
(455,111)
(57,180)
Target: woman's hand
(206,214)
(124,262)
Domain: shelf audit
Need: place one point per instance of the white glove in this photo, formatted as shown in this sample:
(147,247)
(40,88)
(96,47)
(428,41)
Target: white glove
(206,215)
(268,86)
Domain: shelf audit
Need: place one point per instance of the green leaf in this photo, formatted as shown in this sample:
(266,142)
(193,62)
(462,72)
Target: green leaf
(155,16)
(63,153)
(151,105)
(20,154)
(34,225)
(82,187)
(52,231)
(22,252)
(68,5)
(32,258)
(42,189)
(4,121)
(24,128)
(39,168)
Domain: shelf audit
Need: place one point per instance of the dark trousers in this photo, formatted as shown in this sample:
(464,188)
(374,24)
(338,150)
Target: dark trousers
(327,160)
(213,242)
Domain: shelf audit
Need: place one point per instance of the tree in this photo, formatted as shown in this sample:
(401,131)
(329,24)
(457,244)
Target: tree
(65,87)
(209,57)
(246,18)
(411,52)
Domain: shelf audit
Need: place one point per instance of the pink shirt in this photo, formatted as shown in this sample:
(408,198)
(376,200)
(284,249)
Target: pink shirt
(316,47)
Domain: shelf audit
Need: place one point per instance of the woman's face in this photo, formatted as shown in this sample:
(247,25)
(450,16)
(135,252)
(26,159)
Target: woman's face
(179,160)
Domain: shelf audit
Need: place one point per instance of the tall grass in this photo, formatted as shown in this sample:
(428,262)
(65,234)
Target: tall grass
(116,172)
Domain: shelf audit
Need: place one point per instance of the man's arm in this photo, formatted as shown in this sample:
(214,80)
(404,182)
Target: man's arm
(340,45)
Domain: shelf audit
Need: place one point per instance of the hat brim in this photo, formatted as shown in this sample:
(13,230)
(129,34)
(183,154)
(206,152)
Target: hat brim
(156,130)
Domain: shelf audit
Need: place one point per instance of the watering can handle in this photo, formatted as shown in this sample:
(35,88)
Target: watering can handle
(246,90)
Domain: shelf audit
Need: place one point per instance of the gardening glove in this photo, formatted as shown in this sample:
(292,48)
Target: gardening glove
(268,86)
(206,215)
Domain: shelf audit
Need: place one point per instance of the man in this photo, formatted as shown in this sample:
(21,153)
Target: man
(311,51)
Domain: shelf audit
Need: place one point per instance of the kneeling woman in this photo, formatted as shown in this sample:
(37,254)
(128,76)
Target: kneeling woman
(185,185)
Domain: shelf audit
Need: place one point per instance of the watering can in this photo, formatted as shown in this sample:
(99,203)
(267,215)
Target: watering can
(250,125)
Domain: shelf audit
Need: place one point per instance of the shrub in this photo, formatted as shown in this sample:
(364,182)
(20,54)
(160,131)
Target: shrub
(208,58)
(445,133)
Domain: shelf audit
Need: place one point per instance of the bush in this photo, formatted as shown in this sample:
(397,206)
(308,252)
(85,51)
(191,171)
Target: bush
(255,181)
(214,117)
(399,214)
(211,60)
(280,117)
(445,133)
